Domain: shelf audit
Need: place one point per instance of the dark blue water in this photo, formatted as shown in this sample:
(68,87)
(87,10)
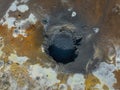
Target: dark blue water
(61,55)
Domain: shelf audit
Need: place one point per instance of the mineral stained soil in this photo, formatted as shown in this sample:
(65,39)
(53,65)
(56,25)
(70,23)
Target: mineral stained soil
(59,45)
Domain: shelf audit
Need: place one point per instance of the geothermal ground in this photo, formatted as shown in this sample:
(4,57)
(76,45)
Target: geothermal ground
(60,45)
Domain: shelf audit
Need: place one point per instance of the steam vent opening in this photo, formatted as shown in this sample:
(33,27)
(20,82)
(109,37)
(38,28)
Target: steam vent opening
(62,47)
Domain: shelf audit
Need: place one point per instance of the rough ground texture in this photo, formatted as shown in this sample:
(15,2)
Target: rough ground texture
(29,27)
